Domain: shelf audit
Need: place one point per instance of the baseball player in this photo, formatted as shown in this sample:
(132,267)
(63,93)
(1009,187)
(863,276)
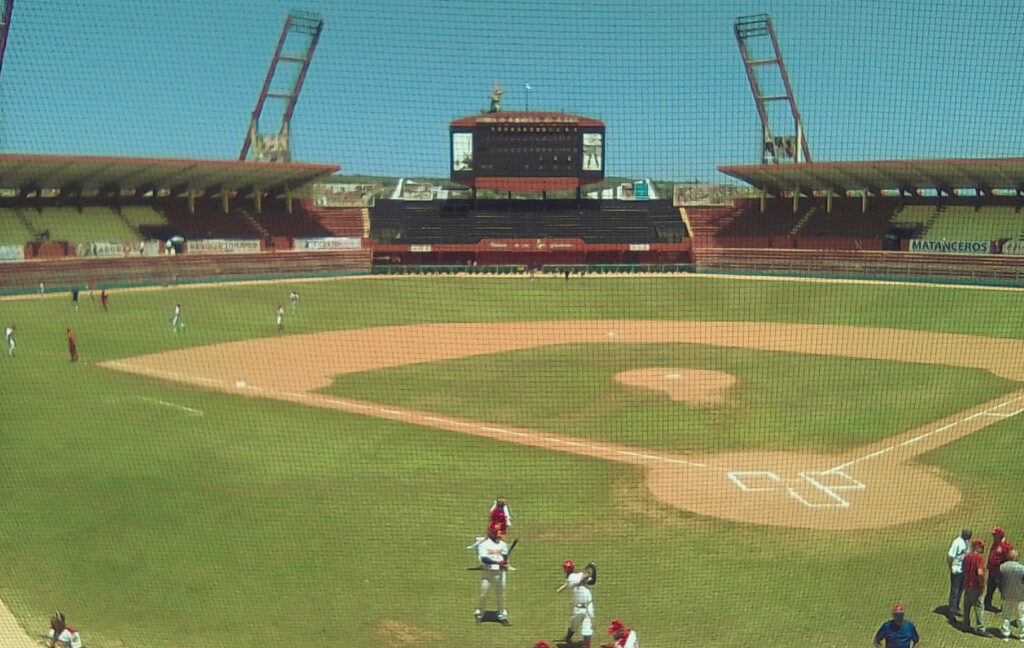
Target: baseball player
(493,555)
(500,515)
(61,634)
(293,301)
(624,637)
(9,338)
(581,611)
(72,346)
(176,323)
(280,317)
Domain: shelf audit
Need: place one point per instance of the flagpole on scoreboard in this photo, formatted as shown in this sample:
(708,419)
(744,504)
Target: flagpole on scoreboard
(528,88)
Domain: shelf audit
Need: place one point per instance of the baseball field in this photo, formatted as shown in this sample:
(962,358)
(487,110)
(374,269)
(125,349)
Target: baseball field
(748,462)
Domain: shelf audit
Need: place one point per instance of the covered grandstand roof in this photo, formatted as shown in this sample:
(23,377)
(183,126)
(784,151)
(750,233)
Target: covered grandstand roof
(92,173)
(514,117)
(907,175)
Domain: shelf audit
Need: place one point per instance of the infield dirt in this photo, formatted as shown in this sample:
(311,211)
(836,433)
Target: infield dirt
(873,486)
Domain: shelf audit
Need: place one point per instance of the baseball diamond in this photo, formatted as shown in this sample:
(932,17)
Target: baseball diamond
(846,491)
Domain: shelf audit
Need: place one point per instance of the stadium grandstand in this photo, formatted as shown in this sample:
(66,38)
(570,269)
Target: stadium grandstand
(121,221)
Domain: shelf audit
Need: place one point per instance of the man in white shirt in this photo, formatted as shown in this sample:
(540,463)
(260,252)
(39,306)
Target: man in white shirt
(61,635)
(955,562)
(493,554)
(1012,588)
(9,337)
(581,611)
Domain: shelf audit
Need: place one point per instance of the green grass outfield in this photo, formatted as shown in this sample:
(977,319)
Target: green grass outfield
(270,524)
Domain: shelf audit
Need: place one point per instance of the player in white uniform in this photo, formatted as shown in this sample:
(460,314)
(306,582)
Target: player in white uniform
(581,610)
(493,554)
(61,634)
(280,317)
(293,301)
(9,338)
(176,323)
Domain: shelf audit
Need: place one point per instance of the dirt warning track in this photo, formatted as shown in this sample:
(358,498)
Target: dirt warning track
(869,487)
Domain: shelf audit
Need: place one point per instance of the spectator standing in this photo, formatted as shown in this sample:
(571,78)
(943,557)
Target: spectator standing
(955,561)
(1012,590)
(974,586)
(998,553)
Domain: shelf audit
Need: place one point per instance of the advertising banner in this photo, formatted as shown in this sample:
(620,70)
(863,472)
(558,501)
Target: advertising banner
(1013,248)
(223,246)
(12,253)
(951,247)
(327,243)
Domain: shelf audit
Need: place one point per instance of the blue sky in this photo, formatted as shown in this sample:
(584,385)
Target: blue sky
(873,79)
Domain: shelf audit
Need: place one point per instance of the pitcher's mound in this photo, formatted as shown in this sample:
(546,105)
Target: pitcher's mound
(694,386)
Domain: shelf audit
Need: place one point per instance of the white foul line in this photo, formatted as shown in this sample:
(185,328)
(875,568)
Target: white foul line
(190,410)
(988,412)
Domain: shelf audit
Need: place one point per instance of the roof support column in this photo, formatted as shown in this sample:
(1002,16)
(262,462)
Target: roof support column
(764,200)
(191,198)
(828,201)
(288,199)
(864,201)
(796,199)
(257,199)
(224,200)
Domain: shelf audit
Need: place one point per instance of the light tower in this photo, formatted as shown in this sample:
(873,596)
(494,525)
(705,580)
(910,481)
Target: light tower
(4,26)
(300,33)
(770,84)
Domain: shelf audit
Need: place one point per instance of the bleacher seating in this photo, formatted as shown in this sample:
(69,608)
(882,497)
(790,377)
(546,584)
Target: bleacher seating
(208,221)
(342,221)
(12,228)
(778,219)
(78,225)
(847,220)
(965,223)
(462,222)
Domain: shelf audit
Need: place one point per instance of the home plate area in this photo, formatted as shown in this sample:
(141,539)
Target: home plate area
(813,489)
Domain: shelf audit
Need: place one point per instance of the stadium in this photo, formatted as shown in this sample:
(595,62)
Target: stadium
(758,363)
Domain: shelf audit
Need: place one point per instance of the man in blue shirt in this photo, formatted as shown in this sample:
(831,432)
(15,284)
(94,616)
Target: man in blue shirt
(897,633)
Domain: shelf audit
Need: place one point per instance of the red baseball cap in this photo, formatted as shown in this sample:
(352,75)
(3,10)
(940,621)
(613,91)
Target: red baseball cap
(898,609)
(568,565)
(998,531)
(541,644)
(977,542)
(615,626)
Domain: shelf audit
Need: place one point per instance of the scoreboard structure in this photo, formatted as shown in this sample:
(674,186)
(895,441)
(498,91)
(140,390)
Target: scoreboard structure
(527,151)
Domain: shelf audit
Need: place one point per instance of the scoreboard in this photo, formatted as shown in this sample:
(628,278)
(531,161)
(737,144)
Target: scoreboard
(502,150)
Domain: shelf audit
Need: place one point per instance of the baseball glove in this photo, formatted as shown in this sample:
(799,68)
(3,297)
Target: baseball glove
(592,568)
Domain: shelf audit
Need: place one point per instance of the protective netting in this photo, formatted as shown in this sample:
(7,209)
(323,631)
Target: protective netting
(747,461)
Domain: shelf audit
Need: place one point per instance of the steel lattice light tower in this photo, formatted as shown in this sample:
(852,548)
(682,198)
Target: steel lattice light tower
(776,147)
(277,147)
